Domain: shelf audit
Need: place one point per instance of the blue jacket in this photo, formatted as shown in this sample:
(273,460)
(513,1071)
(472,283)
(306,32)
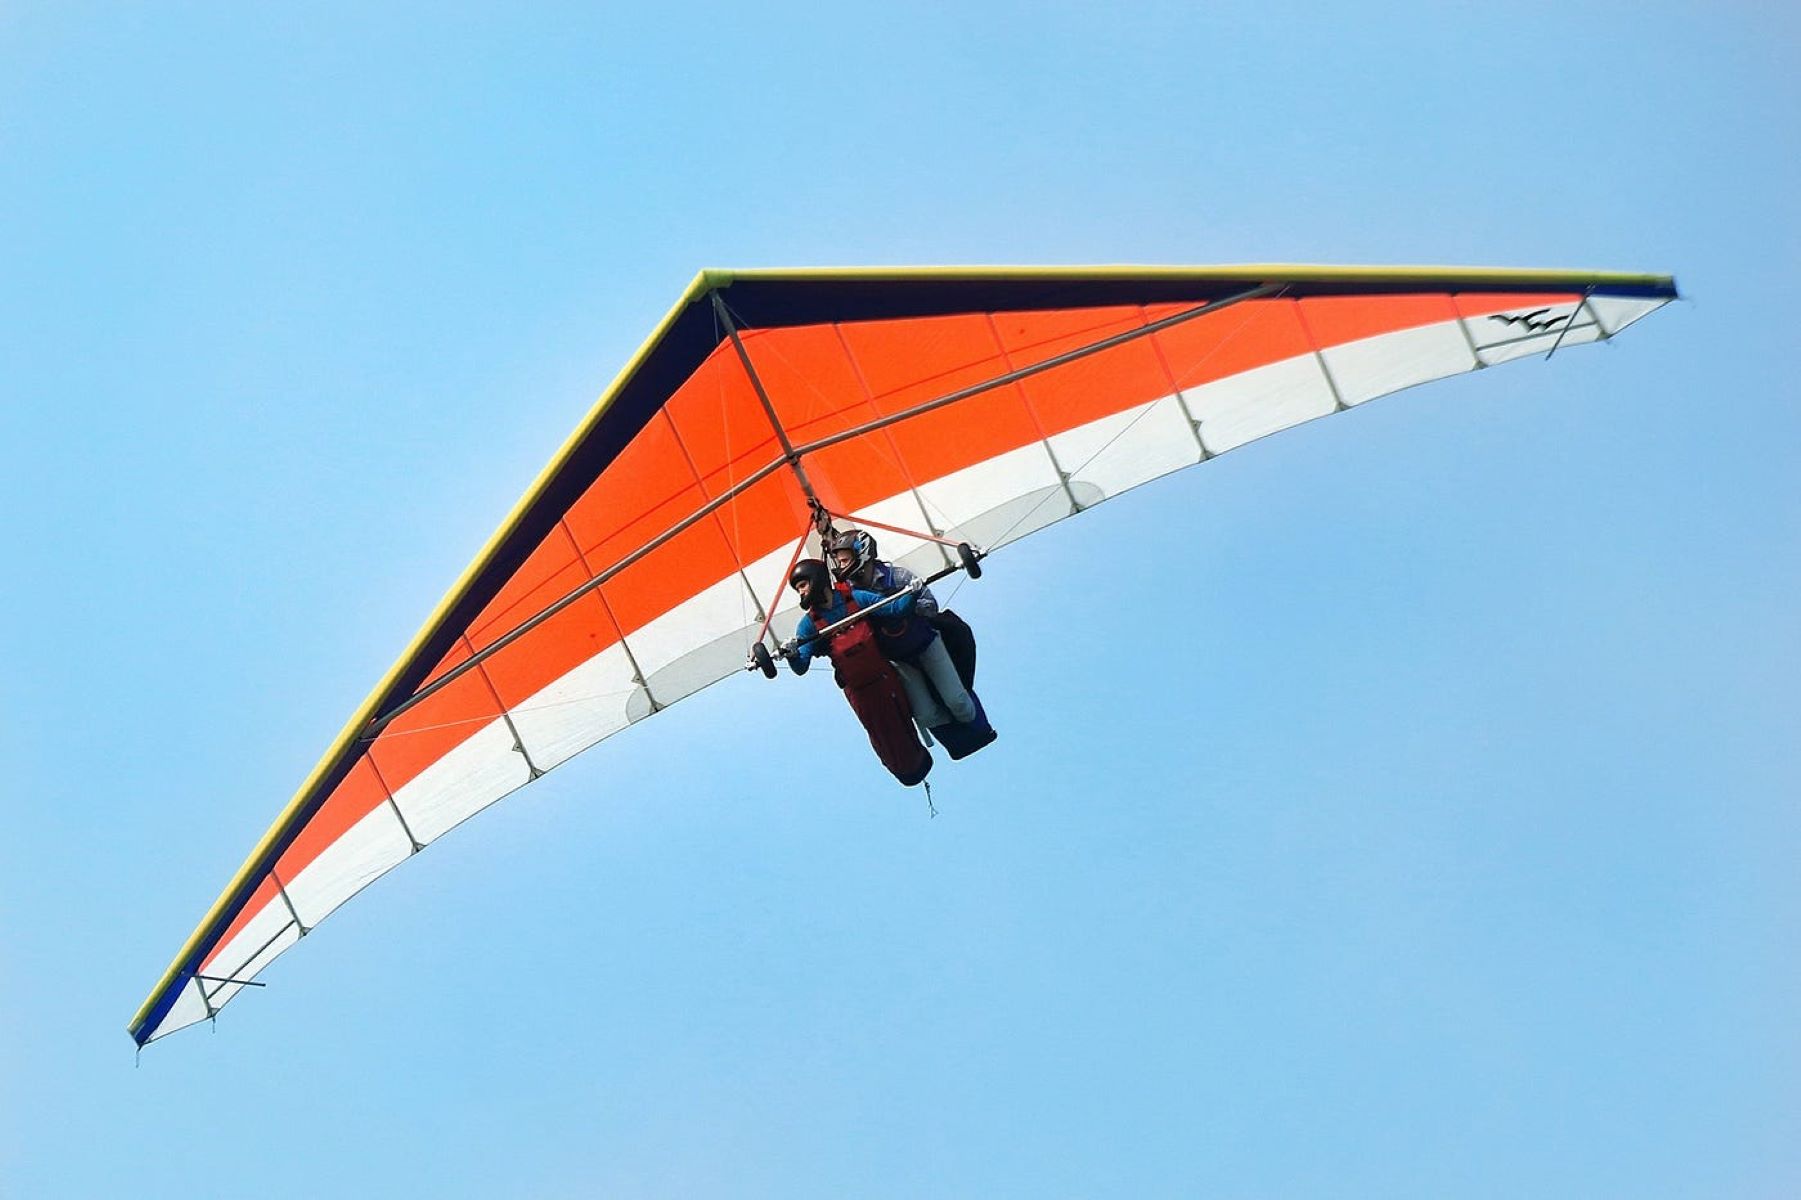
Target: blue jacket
(836,611)
(888,578)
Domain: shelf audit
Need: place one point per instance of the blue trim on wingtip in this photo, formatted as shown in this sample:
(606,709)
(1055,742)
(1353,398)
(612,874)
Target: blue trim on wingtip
(141,1034)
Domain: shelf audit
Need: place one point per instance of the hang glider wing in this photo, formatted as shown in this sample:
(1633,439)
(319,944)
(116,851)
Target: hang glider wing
(979,404)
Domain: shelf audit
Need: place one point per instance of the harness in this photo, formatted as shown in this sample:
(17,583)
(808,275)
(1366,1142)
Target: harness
(855,651)
(899,637)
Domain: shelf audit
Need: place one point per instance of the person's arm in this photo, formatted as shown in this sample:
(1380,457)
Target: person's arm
(897,608)
(924,603)
(800,656)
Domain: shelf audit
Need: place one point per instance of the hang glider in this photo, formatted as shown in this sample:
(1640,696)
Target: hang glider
(974,405)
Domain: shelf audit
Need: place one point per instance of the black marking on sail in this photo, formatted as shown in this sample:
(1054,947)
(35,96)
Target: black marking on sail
(1534,321)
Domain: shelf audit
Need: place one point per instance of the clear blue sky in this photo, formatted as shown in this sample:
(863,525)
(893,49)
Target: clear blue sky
(1402,806)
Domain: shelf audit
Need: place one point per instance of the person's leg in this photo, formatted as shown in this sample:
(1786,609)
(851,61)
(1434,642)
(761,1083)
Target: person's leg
(936,663)
(926,709)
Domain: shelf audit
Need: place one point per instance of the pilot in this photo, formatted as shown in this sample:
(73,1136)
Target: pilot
(825,605)
(873,685)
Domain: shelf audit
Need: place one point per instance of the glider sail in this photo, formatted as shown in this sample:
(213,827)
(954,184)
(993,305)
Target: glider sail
(975,404)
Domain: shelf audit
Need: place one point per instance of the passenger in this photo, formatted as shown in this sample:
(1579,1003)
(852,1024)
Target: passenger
(905,632)
(854,561)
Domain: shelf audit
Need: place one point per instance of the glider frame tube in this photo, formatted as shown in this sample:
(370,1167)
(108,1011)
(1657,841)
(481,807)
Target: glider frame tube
(789,454)
(874,524)
(774,604)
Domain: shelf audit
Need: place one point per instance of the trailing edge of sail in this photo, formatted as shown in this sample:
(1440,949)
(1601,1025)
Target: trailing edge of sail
(636,569)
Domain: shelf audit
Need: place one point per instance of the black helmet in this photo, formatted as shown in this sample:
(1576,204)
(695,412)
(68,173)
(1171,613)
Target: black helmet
(860,544)
(813,580)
